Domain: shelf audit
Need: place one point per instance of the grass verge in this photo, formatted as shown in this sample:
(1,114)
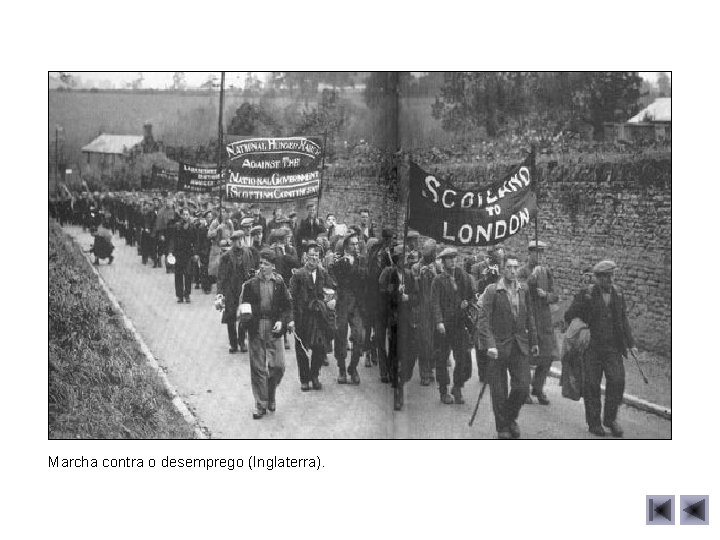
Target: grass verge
(99,386)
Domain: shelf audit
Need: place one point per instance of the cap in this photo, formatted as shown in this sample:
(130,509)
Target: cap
(257,229)
(537,246)
(413,234)
(448,252)
(292,215)
(268,254)
(246,222)
(277,233)
(310,205)
(604,267)
(237,234)
(388,233)
(224,244)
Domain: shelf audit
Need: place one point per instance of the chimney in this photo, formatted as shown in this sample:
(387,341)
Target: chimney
(147,131)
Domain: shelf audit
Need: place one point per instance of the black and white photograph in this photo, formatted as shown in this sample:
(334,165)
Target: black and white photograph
(360,255)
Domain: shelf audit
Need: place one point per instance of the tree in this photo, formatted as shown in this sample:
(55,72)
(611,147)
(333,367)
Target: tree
(253,119)
(137,83)
(608,96)
(68,79)
(329,116)
(179,80)
(471,100)
(664,84)
(501,102)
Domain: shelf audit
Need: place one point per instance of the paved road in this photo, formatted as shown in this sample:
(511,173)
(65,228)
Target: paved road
(191,344)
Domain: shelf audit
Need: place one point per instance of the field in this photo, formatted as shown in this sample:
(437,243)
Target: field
(99,386)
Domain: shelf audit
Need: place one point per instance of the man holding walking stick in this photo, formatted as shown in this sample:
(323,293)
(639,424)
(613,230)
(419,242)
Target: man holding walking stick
(602,308)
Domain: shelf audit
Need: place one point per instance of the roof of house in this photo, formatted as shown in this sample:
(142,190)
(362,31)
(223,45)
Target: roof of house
(112,144)
(659,110)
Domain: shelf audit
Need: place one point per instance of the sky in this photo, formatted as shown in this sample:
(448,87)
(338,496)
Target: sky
(156,79)
(164,79)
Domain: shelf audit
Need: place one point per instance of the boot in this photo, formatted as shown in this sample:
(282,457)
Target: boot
(457,394)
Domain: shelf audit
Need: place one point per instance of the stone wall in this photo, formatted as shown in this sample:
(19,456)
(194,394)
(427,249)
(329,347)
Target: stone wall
(611,207)
(615,207)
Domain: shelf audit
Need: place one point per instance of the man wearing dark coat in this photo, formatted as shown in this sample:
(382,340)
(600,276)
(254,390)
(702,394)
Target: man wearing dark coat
(379,257)
(542,294)
(233,271)
(452,292)
(147,240)
(512,338)
(183,247)
(602,307)
(271,314)
(350,273)
(426,269)
(308,229)
(313,322)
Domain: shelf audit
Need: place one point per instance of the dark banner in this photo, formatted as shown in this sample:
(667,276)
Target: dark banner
(483,216)
(198,179)
(273,169)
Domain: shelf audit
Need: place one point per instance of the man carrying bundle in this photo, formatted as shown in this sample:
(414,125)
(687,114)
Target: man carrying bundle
(602,307)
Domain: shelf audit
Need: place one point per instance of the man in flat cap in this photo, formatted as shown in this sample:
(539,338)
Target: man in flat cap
(256,234)
(399,294)
(511,340)
(271,316)
(602,307)
(350,273)
(540,284)
(452,293)
(426,269)
(257,218)
(309,228)
(234,269)
(275,223)
(379,258)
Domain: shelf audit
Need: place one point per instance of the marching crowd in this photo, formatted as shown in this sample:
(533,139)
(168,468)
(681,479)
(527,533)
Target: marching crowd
(358,291)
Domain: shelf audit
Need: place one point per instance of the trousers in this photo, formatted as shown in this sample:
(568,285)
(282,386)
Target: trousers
(348,314)
(267,363)
(610,363)
(454,340)
(309,368)
(506,407)
(183,277)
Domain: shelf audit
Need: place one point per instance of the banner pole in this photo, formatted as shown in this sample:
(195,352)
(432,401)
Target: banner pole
(322,173)
(405,229)
(220,137)
(537,206)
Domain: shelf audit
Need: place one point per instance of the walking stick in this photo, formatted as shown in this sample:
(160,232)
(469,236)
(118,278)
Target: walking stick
(638,366)
(477,405)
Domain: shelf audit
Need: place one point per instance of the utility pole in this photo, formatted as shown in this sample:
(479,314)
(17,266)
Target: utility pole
(220,135)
